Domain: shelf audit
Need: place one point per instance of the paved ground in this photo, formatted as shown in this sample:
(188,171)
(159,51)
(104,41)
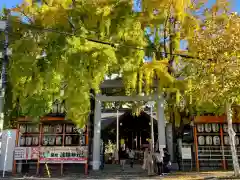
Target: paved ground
(111,172)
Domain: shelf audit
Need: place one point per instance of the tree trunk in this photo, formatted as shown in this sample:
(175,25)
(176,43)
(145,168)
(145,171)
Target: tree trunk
(232,134)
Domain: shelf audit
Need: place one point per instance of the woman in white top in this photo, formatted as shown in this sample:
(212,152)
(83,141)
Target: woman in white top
(131,155)
(145,156)
(150,164)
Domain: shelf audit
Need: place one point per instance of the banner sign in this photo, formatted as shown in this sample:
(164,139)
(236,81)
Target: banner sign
(186,153)
(74,154)
(26,153)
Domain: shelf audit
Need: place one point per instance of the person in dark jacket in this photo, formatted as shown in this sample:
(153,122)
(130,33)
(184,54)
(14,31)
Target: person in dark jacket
(166,161)
(123,156)
(159,162)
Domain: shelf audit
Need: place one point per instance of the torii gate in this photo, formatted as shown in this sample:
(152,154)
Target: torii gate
(97,120)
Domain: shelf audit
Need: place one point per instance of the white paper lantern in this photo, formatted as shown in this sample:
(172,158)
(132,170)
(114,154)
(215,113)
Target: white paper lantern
(69,128)
(216,140)
(22,141)
(22,128)
(68,140)
(29,128)
(225,128)
(201,140)
(215,127)
(226,140)
(208,127)
(35,141)
(46,128)
(51,140)
(45,140)
(200,127)
(58,128)
(209,140)
(28,141)
(58,140)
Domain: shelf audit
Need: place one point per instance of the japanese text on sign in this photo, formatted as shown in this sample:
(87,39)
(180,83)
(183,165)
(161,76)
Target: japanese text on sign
(64,154)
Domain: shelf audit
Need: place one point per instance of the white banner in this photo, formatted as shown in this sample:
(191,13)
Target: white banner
(59,154)
(186,153)
(26,153)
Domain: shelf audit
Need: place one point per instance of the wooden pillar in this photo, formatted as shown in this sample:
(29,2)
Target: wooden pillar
(63,144)
(16,144)
(196,148)
(39,146)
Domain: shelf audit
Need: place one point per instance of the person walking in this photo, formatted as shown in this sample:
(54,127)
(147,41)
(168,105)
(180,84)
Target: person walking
(166,161)
(159,162)
(150,166)
(123,157)
(131,155)
(145,157)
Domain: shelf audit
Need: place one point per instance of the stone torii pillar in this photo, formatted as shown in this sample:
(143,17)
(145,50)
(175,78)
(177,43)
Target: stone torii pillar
(97,135)
(161,125)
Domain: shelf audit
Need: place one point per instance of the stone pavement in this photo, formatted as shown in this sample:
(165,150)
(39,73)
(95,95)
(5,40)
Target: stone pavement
(111,172)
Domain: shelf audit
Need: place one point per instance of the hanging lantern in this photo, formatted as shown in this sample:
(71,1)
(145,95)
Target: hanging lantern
(58,140)
(216,140)
(225,128)
(22,128)
(29,128)
(45,140)
(28,141)
(209,140)
(69,128)
(226,140)
(208,127)
(215,127)
(200,127)
(22,141)
(35,141)
(46,128)
(35,128)
(201,140)
(68,140)
(51,140)
(58,128)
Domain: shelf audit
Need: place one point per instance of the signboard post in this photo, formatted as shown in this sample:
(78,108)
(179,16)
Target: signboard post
(6,152)
(63,154)
(186,154)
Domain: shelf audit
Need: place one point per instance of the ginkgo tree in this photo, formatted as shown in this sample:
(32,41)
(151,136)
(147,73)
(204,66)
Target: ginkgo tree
(55,50)
(60,44)
(169,22)
(72,45)
(214,72)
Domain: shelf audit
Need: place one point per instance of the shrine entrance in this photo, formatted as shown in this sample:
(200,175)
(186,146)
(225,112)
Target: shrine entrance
(160,123)
(134,131)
